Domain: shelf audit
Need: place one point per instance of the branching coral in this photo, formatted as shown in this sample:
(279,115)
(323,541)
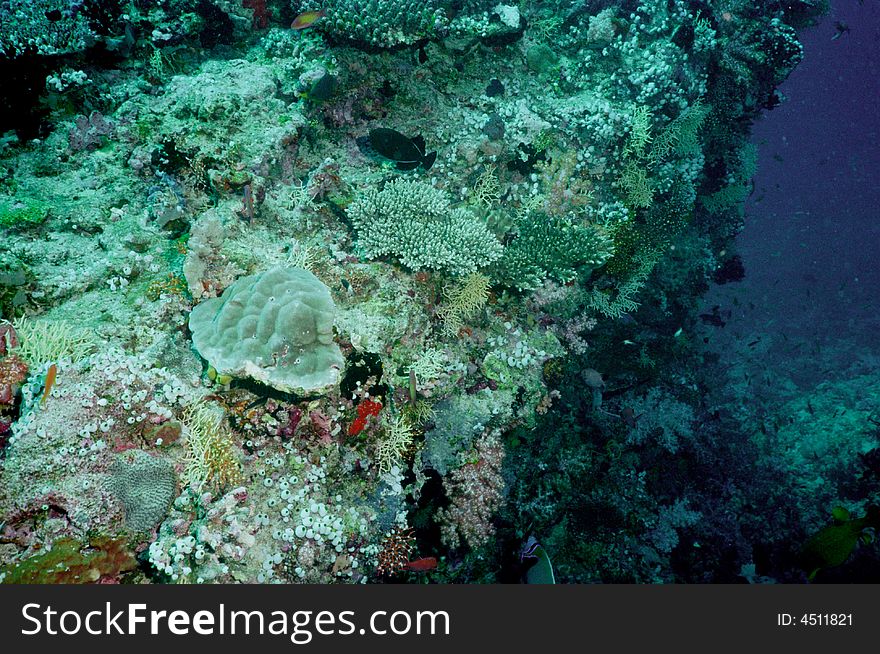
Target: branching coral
(551,247)
(30,26)
(613,304)
(463,300)
(396,439)
(384,23)
(415,222)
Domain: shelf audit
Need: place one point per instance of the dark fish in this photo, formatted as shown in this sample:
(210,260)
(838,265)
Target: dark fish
(716,318)
(842,28)
(390,145)
(323,88)
(629,417)
(422,56)
(495,88)
(54,15)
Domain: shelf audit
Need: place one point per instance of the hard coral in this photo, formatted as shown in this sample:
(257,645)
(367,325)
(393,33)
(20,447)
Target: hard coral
(274,327)
(146,486)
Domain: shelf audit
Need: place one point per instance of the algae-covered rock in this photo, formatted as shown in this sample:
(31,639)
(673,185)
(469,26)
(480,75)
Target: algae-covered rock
(69,561)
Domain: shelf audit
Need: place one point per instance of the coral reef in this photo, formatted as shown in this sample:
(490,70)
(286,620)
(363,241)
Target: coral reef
(240,348)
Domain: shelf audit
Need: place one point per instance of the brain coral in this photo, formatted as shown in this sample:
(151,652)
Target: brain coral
(146,486)
(275,327)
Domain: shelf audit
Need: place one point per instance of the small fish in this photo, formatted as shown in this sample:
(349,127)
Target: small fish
(307,19)
(629,417)
(389,144)
(842,28)
(678,333)
(421,565)
(716,317)
(49,383)
(628,342)
(247,209)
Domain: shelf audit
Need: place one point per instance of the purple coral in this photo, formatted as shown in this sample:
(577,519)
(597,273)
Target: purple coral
(90,133)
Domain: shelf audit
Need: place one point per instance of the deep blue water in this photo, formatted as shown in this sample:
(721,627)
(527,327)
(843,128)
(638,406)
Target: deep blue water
(812,235)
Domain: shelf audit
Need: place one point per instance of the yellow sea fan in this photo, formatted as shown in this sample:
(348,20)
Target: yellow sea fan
(463,301)
(211,459)
(396,439)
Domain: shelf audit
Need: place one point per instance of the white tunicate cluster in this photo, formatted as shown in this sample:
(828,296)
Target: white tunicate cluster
(515,352)
(60,82)
(302,513)
(201,539)
(129,268)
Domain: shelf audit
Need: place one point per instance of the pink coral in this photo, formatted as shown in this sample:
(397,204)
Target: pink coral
(475,491)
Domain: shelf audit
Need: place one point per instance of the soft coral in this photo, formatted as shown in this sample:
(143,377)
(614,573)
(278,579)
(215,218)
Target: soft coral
(262,15)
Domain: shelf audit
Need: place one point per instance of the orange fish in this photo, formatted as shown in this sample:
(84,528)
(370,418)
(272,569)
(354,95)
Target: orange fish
(50,382)
(306,19)
(421,565)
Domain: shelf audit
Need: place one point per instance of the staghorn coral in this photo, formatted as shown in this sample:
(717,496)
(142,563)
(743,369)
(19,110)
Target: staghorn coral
(415,222)
(385,23)
(551,247)
(26,28)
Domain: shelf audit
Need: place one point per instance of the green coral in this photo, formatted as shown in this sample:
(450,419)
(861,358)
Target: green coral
(414,222)
(42,341)
(620,300)
(682,135)
(552,247)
